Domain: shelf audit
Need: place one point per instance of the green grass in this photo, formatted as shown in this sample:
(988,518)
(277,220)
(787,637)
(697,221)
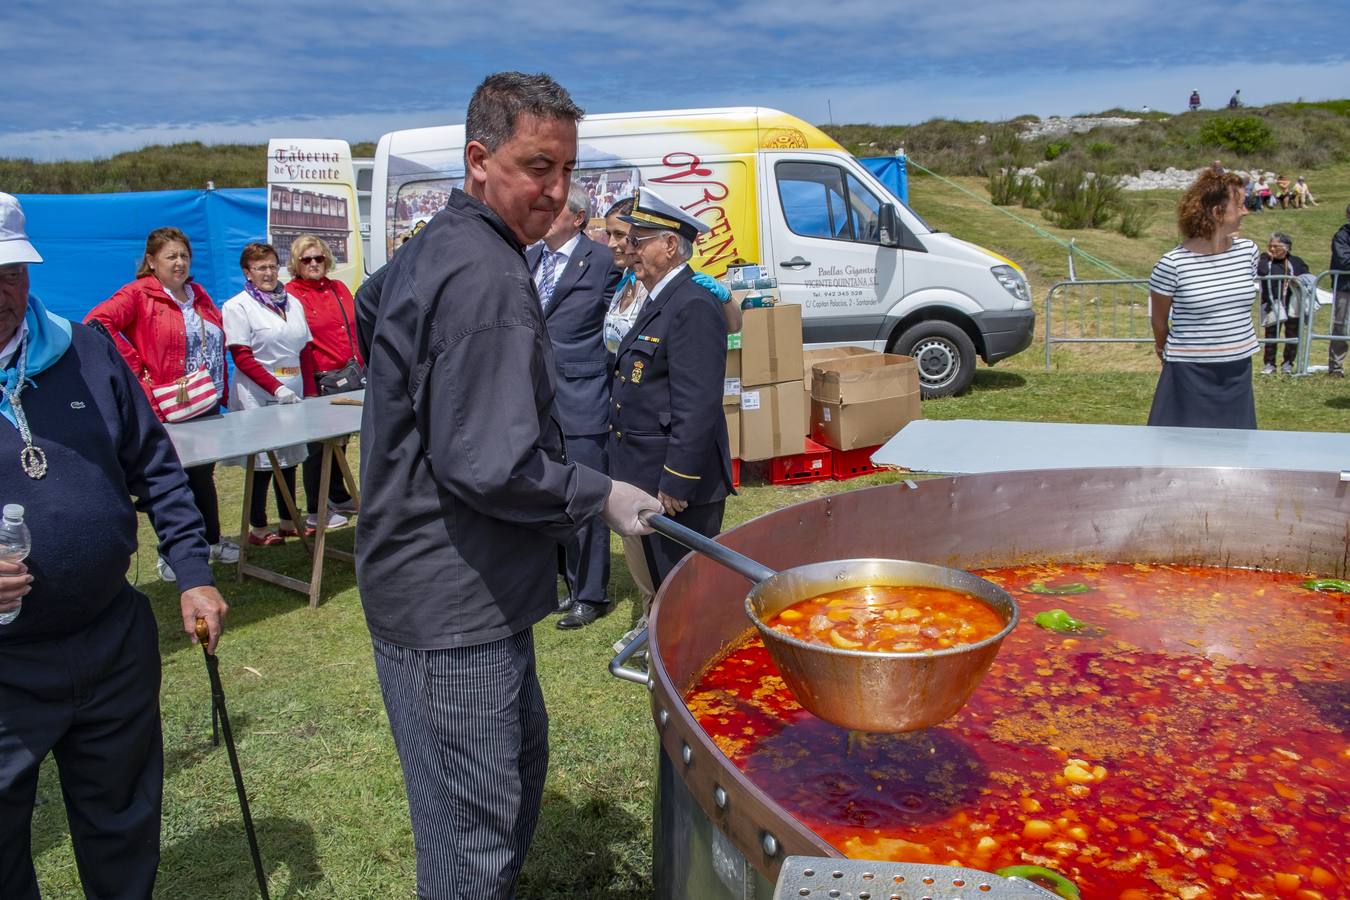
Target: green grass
(314,741)
(1045,262)
(186,166)
(316,751)
(1305,136)
(319,762)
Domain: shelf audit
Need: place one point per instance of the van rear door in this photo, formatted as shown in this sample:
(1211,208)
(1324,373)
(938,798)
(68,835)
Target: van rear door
(823,231)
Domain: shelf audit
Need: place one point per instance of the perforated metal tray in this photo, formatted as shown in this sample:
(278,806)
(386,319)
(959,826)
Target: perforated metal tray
(823,878)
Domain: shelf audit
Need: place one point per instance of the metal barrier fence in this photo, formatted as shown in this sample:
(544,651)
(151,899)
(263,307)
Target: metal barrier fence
(1116,311)
(1327,321)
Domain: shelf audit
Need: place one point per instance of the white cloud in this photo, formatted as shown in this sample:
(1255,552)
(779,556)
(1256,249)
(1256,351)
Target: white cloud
(164,70)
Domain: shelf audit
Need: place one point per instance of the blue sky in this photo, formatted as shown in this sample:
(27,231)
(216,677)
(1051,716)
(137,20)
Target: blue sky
(84,79)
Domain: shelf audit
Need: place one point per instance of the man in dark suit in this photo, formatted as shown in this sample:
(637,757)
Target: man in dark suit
(668,433)
(575,277)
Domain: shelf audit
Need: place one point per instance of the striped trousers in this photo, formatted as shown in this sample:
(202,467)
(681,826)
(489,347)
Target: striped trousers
(472,736)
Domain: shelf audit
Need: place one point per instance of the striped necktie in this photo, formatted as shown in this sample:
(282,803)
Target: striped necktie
(548,262)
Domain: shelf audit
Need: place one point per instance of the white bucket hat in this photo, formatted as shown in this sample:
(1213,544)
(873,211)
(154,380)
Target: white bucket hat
(14,245)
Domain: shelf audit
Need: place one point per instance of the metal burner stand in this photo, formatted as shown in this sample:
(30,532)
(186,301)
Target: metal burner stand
(827,878)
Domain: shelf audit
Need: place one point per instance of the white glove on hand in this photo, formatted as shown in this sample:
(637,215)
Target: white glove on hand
(624,509)
(285,395)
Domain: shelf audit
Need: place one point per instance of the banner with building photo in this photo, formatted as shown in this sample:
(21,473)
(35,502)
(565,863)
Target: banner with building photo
(311,189)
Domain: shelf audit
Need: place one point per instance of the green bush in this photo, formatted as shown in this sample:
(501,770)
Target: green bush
(1054,149)
(1029,190)
(1134,218)
(1100,149)
(1006,143)
(1003,185)
(1246,135)
(1073,199)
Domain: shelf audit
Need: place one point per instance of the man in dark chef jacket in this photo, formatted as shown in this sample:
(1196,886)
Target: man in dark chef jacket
(668,435)
(467,492)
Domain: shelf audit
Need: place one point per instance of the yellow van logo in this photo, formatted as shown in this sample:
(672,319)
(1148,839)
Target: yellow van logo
(783,139)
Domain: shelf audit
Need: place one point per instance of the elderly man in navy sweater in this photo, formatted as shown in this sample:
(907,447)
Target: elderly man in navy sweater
(79,666)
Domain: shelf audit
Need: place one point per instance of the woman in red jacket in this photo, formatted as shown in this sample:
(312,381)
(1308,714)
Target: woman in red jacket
(166,327)
(332,352)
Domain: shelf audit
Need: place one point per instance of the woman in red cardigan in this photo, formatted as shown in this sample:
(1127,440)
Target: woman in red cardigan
(331,315)
(166,326)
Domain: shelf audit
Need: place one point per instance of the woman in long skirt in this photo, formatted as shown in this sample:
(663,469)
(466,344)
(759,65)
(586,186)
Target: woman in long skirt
(1207,284)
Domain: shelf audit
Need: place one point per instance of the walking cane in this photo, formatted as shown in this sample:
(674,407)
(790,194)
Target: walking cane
(218,710)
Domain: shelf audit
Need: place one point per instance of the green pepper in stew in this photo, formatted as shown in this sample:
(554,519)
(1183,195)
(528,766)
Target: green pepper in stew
(1058,620)
(1060,590)
(1043,877)
(1337,585)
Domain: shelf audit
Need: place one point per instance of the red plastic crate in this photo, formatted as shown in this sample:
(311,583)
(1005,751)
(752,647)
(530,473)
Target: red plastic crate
(811,465)
(853,463)
(735,473)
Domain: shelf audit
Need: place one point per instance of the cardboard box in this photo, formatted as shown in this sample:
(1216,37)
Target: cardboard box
(771,421)
(771,345)
(863,400)
(758,297)
(731,385)
(863,424)
(812,358)
(733,416)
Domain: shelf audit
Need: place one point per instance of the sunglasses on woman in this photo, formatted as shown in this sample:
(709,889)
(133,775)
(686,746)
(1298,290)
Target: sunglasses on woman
(313,259)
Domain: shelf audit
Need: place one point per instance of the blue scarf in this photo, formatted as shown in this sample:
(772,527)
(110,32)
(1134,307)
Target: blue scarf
(48,339)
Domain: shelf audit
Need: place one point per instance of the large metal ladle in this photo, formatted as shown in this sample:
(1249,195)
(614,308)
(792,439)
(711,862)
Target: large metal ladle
(854,689)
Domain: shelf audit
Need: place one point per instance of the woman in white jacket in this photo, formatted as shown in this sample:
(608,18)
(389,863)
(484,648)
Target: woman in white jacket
(266,332)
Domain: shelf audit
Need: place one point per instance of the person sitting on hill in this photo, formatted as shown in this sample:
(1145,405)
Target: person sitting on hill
(1235,101)
(1251,197)
(1301,196)
(1282,192)
(1264,194)
(1194,103)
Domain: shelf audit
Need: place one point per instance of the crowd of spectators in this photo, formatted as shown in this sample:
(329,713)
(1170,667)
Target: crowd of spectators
(283,339)
(1261,191)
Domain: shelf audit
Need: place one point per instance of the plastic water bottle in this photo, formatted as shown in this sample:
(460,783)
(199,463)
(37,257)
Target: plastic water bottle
(15,543)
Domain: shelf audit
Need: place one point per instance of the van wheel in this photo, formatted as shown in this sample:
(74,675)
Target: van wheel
(945,354)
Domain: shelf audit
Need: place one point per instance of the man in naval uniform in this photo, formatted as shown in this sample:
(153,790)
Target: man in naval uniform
(668,435)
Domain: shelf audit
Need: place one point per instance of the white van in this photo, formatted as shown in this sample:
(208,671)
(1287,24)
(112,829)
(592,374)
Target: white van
(777,192)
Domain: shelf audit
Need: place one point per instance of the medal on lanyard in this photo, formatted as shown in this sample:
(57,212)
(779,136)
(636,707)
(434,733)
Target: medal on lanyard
(32,459)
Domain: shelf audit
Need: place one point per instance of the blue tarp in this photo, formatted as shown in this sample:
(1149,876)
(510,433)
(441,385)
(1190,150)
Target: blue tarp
(92,243)
(890,171)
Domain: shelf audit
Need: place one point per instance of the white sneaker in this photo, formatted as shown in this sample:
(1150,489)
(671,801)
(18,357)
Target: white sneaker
(226,552)
(632,633)
(335,520)
(1267,369)
(1287,369)
(165,570)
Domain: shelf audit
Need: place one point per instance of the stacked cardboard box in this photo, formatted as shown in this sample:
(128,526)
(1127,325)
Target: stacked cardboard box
(772,416)
(863,400)
(731,394)
(820,356)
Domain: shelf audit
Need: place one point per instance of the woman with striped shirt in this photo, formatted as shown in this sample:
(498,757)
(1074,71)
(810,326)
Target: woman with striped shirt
(1207,284)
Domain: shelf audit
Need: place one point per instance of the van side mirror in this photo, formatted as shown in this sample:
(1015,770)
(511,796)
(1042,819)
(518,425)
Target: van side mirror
(888,226)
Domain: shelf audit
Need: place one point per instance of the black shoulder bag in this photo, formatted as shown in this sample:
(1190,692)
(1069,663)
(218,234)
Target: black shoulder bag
(352,376)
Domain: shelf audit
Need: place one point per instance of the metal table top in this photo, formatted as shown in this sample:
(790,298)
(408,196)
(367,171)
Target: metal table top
(248,431)
(964,447)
